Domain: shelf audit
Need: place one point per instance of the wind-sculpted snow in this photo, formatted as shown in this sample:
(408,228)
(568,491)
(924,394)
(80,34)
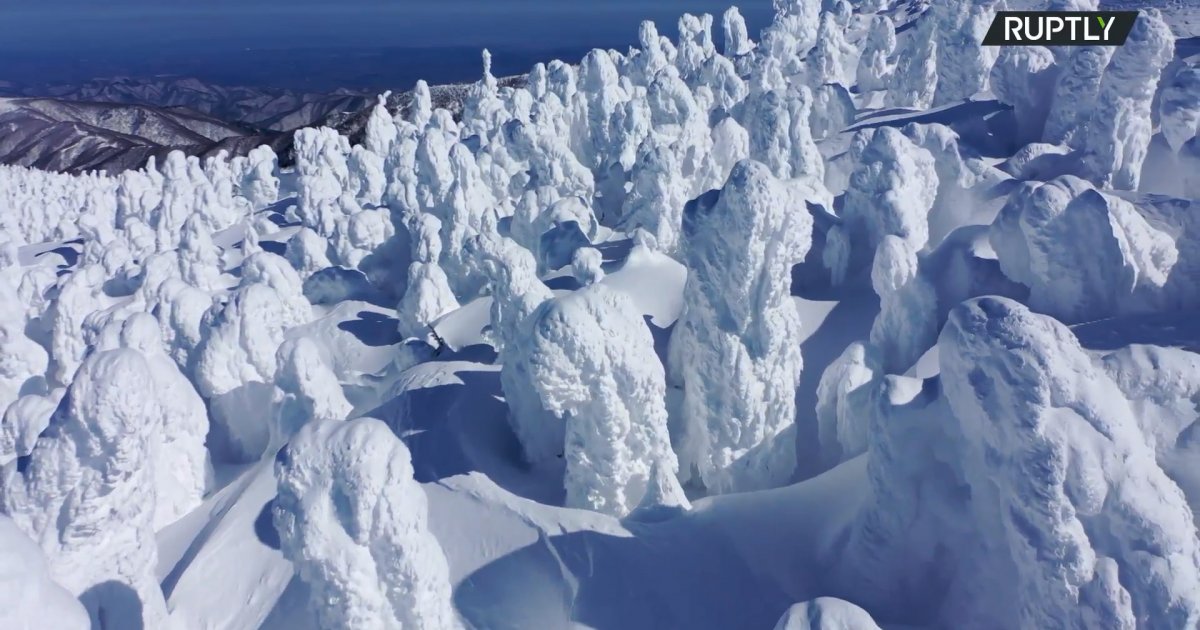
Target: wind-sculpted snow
(354,523)
(29,598)
(738,245)
(610,396)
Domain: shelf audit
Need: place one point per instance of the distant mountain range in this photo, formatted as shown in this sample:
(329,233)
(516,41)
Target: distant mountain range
(118,124)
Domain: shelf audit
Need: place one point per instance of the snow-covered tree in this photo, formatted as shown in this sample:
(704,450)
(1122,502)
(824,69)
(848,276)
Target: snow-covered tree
(324,174)
(1179,107)
(354,522)
(309,389)
(585,265)
(236,362)
(915,79)
(1023,76)
(831,59)
(380,132)
(1075,92)
(732,348)
(428,295)
(891,191)
(182,473)
(1050,446)
(843,393)
(516,293)
(793,31)
(610,396)
(307,252)
(737,38)
(1118,135)
(657,196)
(368,180)
(962,60)
(87,495)
(907,324)
(874,65)
(1083,254)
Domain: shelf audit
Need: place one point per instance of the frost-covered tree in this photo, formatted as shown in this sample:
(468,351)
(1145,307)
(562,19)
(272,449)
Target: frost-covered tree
(907,324)
(1050,446)
(609,395)
(367,177)
(830,61)
(737,38)
(1075,92)
(962,60)
(428,295)
(236,362)
(657,196)
(308,388)
(199,258)
(1083,254)
(733,349)
(1118,135)
(182,473)
(29,598)
(585,265)
(307,252)
(516,293)
(1023,76)
(793,31)
(1179,107)
(891,191)
(323,176)
(462,215)
(79,295)
(354,522)
(87,494)
(874,65)
(915,79)
(804,158)
(844,391)
(380,132)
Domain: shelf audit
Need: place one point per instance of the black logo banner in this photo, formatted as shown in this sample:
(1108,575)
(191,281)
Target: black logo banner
(1060,28)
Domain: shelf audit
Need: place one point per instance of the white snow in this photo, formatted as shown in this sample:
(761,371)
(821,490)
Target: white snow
(680,336)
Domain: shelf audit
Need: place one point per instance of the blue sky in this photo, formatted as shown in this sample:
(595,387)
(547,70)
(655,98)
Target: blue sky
(89,25)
